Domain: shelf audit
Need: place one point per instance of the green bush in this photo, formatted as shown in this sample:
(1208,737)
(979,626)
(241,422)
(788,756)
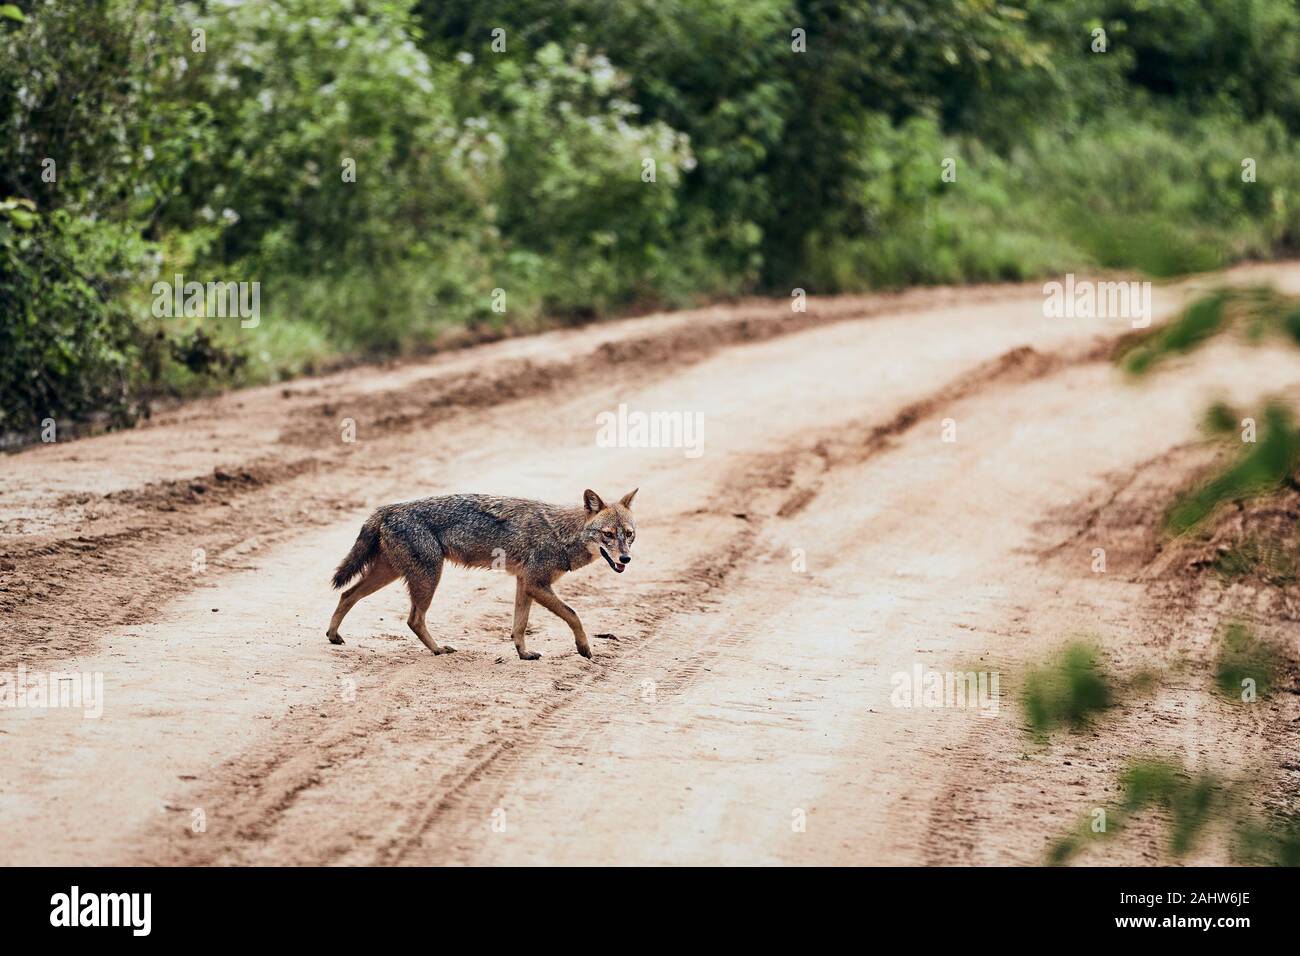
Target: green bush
(80,105)
(212,140)
(68,347)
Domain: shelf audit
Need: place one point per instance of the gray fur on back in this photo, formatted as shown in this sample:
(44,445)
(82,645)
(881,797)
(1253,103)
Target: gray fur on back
(485,531)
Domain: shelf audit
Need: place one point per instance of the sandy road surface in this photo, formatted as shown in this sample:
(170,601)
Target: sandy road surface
(826,539)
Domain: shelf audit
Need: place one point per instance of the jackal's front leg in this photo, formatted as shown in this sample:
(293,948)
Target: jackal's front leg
(543,595)
(523,604)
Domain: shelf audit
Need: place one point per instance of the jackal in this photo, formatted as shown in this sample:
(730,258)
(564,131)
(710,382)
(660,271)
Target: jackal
(535,542)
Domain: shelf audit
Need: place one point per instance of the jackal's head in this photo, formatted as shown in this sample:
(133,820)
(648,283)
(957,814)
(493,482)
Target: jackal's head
(609,530)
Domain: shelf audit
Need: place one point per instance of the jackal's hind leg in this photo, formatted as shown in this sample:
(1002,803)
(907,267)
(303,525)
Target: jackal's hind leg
(419,559)
(377,575)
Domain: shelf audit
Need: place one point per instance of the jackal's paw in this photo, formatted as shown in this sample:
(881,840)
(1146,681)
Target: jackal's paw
(529,656)
(585,652)
(445,649)
(334,638)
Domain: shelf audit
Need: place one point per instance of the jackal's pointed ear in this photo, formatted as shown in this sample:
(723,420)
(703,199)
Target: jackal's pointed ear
(626,500)
(592,501)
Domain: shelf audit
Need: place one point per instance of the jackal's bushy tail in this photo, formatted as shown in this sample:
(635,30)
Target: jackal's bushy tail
(363,553)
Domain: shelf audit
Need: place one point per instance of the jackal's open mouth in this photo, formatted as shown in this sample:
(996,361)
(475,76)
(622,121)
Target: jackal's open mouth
(617,567)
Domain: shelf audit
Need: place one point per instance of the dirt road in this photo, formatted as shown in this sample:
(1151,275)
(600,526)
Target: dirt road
(884,483)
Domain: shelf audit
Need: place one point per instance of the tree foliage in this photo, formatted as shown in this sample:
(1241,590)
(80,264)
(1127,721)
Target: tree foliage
(504,144)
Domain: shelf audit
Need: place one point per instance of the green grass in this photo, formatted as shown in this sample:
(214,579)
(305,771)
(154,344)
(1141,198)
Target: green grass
(1193,802)
(1258,556)
(1135,191)
(1194,327)
(1244,657)
(1262,468)
(1260,844)
(1066,691)
(1258,313)
(1189,799)
(1264,465)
